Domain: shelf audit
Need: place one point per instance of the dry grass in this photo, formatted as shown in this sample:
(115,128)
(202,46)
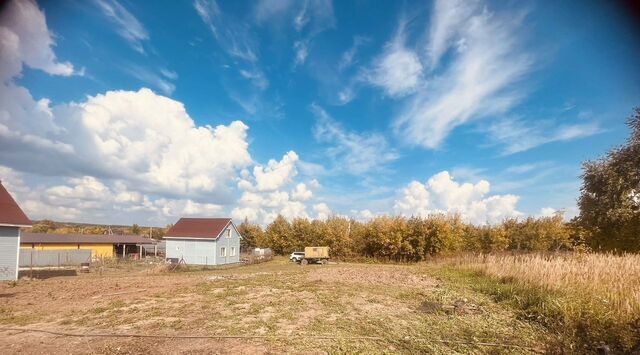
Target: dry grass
(404,309)
(593,297)
(605,279)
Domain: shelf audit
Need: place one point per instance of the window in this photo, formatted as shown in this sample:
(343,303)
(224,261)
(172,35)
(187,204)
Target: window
(227,233)
(223,251)
(233,251)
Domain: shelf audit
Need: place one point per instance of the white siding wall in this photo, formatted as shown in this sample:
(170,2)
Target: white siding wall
(9,249)
(228,243)
(206,252)
(193,251)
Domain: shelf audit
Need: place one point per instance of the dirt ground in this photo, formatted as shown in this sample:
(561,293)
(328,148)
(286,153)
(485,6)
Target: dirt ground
(275,307)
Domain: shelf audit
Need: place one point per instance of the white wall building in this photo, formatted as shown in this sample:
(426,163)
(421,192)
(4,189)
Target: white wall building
(11,219)
(204,241)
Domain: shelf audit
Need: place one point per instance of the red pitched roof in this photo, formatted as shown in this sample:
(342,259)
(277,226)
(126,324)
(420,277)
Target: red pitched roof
(51,238)
(198,228)
(10,212)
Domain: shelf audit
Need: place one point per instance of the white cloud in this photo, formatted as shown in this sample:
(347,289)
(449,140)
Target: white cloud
(441,194)
(322,211)
(398,70)
(273,176)
(480,79)
(271,190)
(232,34)
(159,81)
(25,39)
(348,57)
(128,26)
(518,136)
(362,215)
(352,152)
(140,137)
(302,51)
(88,199)
(256,77)
(547,212)
(447,19)
(301,193)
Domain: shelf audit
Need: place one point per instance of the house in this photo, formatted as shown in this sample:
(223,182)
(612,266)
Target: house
(101,246)
(11,220)
(203,241)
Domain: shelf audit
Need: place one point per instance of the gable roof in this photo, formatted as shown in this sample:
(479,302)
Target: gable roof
(51,238)
(10,213)
(198,228)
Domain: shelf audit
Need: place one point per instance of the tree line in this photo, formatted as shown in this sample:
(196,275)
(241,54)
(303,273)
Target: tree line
(609,220)
(408,239)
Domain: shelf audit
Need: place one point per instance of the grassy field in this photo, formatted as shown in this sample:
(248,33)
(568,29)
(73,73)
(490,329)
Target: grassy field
(453,305)
(587,298)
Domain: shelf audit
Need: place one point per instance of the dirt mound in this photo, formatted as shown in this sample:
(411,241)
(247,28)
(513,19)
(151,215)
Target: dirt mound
(387,275)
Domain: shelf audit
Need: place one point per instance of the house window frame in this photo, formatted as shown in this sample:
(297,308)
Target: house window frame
(233,251)
(227,233)
(223,251)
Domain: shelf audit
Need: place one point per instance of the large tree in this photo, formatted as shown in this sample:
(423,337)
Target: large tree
(610,195)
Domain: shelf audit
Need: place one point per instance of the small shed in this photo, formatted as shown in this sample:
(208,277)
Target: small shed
(12,218)
(203,241)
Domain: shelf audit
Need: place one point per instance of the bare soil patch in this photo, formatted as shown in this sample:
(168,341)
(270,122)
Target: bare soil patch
(387,275)
(360,308)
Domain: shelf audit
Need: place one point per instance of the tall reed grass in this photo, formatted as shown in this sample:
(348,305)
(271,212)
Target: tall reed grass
(588,297)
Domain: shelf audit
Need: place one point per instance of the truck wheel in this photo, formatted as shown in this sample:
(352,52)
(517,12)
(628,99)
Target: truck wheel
(304,262)
(324,262)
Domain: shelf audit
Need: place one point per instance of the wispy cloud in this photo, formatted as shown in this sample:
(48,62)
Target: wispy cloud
(160,81)
(355,153)
(487,61)
(302,51)
(256,77)
(348,58)
(518,136)
(127,24)
(231,33)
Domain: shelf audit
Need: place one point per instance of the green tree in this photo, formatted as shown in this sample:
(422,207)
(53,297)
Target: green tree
(135,229)
(610,195)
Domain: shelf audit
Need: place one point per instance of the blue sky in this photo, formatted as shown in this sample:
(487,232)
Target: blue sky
(142,112)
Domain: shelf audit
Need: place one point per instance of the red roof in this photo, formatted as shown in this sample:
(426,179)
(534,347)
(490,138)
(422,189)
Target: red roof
(198,228)
(50,238)
(10,212)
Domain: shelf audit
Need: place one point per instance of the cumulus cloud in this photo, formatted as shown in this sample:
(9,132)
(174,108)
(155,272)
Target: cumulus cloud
(132,147)
(352,152)
(322,211)
(271,190)
(148,139)
(547,212)
(127,25)
(301,193)
(441,194)
(25,39)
